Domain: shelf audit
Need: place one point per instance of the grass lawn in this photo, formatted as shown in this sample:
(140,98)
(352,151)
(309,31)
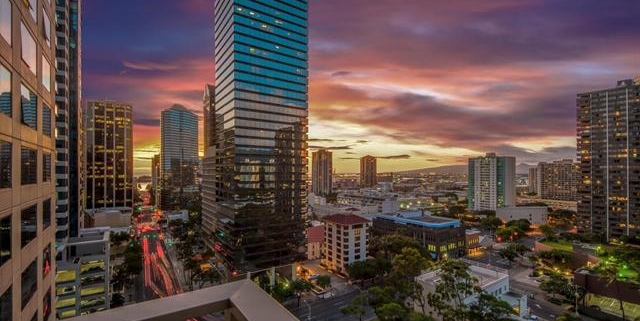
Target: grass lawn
(560,245)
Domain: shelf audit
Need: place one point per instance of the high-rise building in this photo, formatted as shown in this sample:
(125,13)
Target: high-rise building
(492,182)
(209,158)
(533,179)
(208,111)
(109,154)
(27,153)
(321,171)
(557,180)
(69,167)
(259,182)
(178,153)
(155,179)
(609,165)
(368,171)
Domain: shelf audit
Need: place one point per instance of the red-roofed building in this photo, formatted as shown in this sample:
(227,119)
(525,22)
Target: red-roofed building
(315,238)
(345,241)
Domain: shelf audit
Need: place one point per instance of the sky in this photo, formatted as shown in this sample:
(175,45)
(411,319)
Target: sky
(417,83)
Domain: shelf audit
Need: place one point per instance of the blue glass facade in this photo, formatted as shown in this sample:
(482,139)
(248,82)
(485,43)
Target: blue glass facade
(260,126)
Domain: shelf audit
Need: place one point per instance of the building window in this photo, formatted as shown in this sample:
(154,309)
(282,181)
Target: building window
(28,107)
(5,21)
(46,213)
(5,90)
(32,8)
(46,260)
(46,74)
(28,48)
(46,28)
(46,120)
(29,166)
(29,220)
(5,303)
(29,282)
(46,306)
(5,240)
(5,164)
(46,167)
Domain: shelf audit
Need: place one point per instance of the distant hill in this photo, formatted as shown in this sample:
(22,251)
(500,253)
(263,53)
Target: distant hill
(521,168)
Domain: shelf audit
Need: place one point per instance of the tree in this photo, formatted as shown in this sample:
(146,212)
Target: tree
(406,267)
(489,308)
(522,224)
(547,231)
(456,210)
(299,286)
(519,248)
(610,273)
(490,223)
(362,270)
(392,312)
(323,281)
(356,306)
(509,254)
(388,246)
(456,284)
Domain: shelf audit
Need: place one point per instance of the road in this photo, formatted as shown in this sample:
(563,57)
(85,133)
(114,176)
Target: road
(329,309)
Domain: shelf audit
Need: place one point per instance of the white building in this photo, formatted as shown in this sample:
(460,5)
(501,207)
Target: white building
(345,241)
(315,239)
(384,202)
(82,276)
(536,215)
(492,182)
(115,217)
(492,280)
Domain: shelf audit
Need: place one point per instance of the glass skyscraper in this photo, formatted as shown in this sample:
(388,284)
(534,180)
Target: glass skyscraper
(178,153)
(256,219)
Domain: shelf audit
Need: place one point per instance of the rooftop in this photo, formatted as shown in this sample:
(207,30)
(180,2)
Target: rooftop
(345,219)
(484,276)
(429,221)
(241,301)
(315,234)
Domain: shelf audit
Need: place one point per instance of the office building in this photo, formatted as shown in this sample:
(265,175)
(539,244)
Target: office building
(492,182)
(109,154)
(345,241)
(256,220)
(368,172)
(321,172)
(442,237)
(69,138)
(82,275)
(557,180)
(27,153)
(155,179)
(608,145)
(533,180)
(209,158)
(178,154)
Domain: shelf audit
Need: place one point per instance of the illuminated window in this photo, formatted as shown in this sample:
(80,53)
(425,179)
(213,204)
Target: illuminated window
(5,240)
(28,166)
(5,164)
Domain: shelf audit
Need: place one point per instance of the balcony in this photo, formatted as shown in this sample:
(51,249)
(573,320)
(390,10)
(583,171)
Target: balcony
(240,301)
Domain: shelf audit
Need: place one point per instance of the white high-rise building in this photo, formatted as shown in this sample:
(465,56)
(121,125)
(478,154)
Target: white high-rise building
(492,182)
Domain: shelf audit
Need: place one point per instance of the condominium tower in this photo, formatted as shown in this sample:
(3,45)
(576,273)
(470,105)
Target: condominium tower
(321,171)
(368,171)
(69,167)
(557,180)
(609,165)
(178,153)
(109,154)
(27,153)
(492,182)
(257,217)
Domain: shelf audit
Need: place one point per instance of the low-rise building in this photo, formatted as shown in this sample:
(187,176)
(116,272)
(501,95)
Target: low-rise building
(345,241)
(443,237)
(536,215)
(82,276)
(492,280)
(114,217)
(472,241)
(315,239)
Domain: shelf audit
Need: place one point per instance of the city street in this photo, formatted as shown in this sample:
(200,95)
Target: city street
(329,309)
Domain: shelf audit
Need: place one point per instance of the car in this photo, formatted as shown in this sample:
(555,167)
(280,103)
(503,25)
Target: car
(313,276)
(533,317)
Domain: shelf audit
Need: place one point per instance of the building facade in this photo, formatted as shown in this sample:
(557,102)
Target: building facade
(345,241)
(533,180)
(82,276)
(321,171)
(155,179)
(109,154)
(257,217)
(609,165)
(27,153)
(442,237)
(69,138)
(557,180)
(492,182)
(178,154)
(368,171)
